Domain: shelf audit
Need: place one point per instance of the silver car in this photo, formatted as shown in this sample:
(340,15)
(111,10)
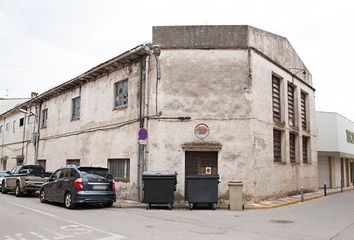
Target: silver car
(2,175)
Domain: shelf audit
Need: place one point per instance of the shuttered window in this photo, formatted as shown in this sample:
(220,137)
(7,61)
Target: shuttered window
(277,145)
(305,154)
(276,99)
(119,168)
(292,147)
(291,105)
(303,110)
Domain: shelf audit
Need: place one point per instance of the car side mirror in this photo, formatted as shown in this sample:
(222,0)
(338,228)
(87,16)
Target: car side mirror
(8,172)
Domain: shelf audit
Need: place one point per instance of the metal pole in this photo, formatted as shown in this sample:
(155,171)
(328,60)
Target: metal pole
(325,189)
(302,193)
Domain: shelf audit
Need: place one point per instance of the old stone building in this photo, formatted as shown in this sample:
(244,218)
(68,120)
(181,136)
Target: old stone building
(232,100)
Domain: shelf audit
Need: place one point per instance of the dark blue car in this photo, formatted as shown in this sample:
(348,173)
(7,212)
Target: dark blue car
(73,185)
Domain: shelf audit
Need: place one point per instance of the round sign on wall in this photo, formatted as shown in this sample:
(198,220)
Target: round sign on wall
(201,130)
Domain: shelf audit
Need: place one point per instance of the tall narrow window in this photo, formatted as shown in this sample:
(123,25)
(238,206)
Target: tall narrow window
(75,109)
(1,128)
(22,120)
(44,118)
(292,147)
(305,153)
(276,99)
(14,126)
(119,168)
(291,105)
(303,110)
(7,127)
(121,94)
(277,145)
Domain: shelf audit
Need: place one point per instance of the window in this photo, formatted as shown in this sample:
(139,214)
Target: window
(292,147)
(42,163)
(75,162)
(75,109)
(4,161)
(7,126)
(19,161)
(121,94)
(44,118)
(13,126)
(277,145)
(305,149)
(276,99)
(303,110)
(22,120)
(120,169)
(291,104)
(1,128)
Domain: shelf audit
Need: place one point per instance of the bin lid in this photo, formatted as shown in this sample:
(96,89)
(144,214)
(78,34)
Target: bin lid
(159,174)
(204,176)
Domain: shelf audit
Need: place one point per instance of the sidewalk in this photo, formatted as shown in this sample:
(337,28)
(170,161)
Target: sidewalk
(121,203)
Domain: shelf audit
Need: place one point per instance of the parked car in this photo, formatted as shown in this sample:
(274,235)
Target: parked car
(73,185)
(24,179)
(2,175)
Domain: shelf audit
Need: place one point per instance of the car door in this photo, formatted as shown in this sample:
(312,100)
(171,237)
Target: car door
(50,187)
(60,185)
(11,180)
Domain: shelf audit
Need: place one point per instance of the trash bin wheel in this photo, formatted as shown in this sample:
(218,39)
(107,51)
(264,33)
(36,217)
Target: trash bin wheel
(213,206)
(148,205)
(170,206)
(190,206)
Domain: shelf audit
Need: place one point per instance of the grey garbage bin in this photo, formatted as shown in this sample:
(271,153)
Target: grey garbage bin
(159,188)
(202,189)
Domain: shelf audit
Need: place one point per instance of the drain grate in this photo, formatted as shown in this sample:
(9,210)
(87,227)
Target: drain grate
(281,221)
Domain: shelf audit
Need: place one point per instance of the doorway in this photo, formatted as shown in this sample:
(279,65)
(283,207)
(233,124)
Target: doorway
(199,163)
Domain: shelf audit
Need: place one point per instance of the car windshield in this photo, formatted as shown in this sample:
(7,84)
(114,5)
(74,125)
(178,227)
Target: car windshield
(103,172)
(2,174)
(34,169)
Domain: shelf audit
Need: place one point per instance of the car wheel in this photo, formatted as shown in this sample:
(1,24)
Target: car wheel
(108,204)
(42,196)
(68,201)
(3,189)
(18,190)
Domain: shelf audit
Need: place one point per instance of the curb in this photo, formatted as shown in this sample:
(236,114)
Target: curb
(281,204)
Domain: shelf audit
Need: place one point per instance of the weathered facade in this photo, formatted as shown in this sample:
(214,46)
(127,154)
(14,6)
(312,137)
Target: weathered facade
(335,150)
(248,86)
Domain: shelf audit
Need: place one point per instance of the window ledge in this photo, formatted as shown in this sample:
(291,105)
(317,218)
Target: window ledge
(282,162)
(75,119)
(120,108)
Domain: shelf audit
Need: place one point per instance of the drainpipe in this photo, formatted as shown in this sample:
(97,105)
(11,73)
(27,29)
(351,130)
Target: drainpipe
(37,121)
(3,141)
(23,136)
(146,112)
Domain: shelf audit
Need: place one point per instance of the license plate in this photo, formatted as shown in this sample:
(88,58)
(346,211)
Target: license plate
(99,187)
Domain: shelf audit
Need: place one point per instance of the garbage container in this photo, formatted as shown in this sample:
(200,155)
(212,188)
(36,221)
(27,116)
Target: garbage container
(159,188)
(202,189)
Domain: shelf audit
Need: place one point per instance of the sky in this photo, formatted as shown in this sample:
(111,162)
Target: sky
(44,43)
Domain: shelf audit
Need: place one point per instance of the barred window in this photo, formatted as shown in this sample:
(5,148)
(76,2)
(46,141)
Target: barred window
(277,145)
(121,93)
(75,162)
(75,108)
(303,110)
(276,99)
(292,147)
(305,153)
(119,168)
(291,104)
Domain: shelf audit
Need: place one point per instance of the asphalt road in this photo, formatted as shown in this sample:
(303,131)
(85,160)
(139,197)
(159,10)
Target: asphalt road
(327,218)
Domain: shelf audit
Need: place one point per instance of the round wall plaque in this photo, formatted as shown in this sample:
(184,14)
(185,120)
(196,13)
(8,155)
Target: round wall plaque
(201,130)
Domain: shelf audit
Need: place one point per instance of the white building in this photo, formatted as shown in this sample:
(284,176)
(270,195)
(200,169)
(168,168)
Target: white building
(335,146)
(247,88)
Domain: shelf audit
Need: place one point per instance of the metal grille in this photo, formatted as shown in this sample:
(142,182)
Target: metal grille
(305,149)
(277,145)
(75,162)
(292,147)
(303,110)
(119,168)
(291,105)
(276,99)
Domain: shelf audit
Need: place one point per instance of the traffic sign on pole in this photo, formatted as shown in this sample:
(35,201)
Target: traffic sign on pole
(143,134)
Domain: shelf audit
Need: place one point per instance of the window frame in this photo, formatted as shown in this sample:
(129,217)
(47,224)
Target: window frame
(73,112)
(126,170)
(277,85)
(304,109)
(281,156)
(308,158)
(293,148)
(291,104)
(115,94)
(44,118)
